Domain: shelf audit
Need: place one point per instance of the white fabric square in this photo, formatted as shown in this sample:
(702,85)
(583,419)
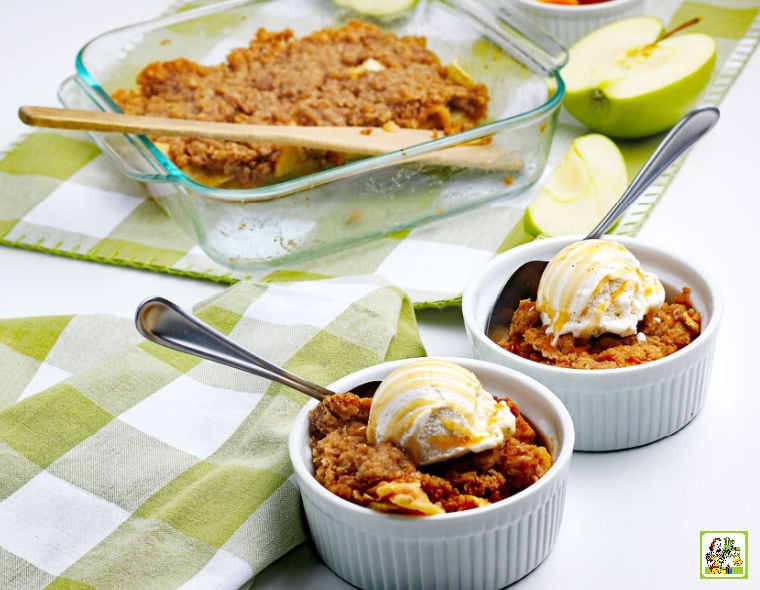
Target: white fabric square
(223,570)
(191,416)
(197,251)
(315,303)
(432,266)
(83,209)
(46,376)
(52,523)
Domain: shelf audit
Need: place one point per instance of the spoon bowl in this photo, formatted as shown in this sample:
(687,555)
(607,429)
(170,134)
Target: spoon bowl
(523,283)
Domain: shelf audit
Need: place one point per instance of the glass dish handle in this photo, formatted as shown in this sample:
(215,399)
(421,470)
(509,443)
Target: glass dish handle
(526,40)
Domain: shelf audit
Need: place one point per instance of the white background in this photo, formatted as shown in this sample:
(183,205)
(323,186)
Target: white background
(632,518)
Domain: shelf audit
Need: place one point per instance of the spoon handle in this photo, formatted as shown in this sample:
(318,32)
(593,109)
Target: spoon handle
(353,140)
(163,322)
(680,138)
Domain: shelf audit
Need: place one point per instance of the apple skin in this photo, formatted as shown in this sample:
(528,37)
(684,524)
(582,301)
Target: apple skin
(593,86)
(580,190)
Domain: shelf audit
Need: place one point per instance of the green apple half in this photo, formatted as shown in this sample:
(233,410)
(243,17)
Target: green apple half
(629,79)
(580,190)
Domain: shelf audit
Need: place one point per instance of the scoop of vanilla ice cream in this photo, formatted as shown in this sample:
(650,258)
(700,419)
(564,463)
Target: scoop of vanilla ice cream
(592,287)
(436,410)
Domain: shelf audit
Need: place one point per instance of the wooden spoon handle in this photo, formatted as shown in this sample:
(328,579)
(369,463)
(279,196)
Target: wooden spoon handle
(353,140)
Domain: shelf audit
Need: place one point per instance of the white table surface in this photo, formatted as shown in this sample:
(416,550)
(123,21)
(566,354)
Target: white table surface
(632,518)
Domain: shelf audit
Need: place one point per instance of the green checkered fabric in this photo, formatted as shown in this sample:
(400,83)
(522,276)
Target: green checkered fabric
(126,465)
(48,179)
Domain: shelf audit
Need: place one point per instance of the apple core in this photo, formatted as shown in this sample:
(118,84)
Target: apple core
(631,79)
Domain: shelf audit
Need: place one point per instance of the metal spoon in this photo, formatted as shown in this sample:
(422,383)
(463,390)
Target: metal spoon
(523,284)
(163,322)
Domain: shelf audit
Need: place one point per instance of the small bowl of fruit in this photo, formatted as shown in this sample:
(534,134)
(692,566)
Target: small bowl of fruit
(452,475)
(621,331)
(569,20)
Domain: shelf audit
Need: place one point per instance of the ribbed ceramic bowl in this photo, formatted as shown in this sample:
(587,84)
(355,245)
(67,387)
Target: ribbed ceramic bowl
(568,23)
(611,408)
(486,548)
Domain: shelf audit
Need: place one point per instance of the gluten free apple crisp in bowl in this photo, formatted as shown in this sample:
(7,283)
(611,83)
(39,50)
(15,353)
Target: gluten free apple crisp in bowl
(596,308)
(624,337)
(454,69)
(439,468)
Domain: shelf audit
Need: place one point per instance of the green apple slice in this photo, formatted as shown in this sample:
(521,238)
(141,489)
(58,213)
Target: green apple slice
(629,79)
(580,190)
(377,7)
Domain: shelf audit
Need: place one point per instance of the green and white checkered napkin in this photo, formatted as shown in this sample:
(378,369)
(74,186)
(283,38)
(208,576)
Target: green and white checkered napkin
(59,194)
(127,465)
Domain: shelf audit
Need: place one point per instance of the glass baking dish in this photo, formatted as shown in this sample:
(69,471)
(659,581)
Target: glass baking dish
(305,217)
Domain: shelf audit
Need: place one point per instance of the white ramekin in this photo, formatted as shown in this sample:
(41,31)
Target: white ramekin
(483,548)
(568,23)
(611,408)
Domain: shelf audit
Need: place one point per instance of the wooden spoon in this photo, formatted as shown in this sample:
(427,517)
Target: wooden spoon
(367,141)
